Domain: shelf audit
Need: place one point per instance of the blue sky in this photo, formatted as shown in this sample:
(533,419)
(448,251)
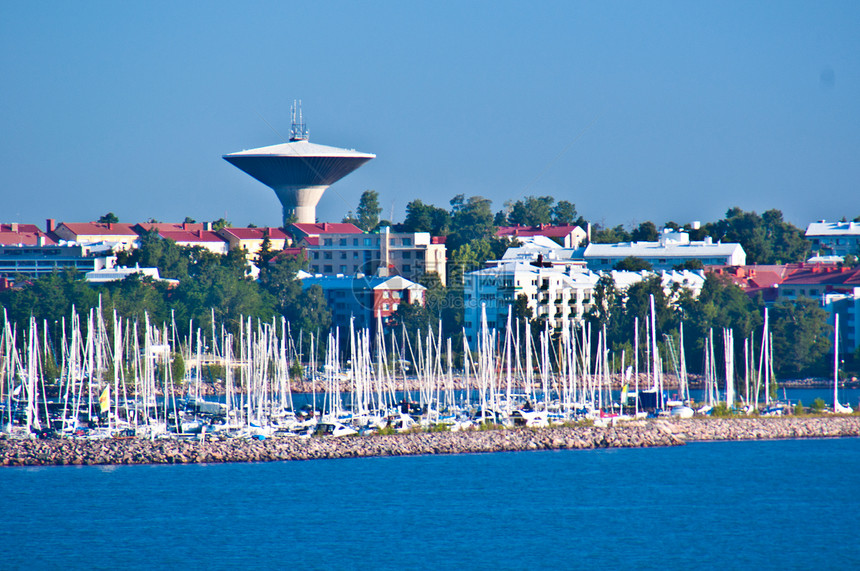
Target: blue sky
(631,110)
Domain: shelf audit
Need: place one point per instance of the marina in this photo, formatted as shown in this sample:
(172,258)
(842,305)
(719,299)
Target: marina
(98,379)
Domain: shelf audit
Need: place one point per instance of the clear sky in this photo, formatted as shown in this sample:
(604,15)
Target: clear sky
(631,110)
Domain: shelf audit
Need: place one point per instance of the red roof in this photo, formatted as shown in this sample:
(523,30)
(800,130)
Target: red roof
(766,279)
(824,275)
(255,233)
(312,240)
(327,228)
(192,236)
(100,229)
(438,239)
(543,230)
(25,234)
(171,226)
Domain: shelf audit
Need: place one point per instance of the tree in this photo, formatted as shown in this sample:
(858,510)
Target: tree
(522,309)
(564,213)
(471,219)
(633,264)
(601,235)
(109,218)
(220,224)
(689,265)
(422,217)
(368,210)
(279,279)
(533,211)
(350,218)
(265,254)
(801,337)
(646,232)
(766,239)
(189,220)
(311,312)
(720,304)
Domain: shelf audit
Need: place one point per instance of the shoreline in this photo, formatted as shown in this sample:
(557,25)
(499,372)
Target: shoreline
(631,434)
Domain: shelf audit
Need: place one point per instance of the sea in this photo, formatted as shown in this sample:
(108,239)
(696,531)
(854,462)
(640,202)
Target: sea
(787,504)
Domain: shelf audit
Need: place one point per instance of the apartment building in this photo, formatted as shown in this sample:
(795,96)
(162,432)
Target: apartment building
(406,254)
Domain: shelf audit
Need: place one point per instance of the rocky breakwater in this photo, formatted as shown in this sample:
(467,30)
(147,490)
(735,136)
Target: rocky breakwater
(766,428)
(139,451)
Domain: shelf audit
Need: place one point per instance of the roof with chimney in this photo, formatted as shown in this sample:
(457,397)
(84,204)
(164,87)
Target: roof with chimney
(14,234)
(185,236)
(99,228)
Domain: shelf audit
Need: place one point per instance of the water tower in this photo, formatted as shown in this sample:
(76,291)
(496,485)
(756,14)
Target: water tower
(298,171)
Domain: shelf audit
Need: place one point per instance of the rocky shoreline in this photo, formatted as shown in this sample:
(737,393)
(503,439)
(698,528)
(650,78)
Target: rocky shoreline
(635,434)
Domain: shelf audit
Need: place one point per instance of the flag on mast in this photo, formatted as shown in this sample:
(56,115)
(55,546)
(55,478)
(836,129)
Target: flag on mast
(104,400)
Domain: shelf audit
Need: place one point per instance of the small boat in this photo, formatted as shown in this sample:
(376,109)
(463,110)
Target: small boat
(682,411)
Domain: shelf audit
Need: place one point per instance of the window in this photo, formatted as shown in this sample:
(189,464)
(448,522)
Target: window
(407,268)
(326,269)
(316,255)
(407,241)
(355,241)
(407,255)
(355,255)
(394,307)
(327,242)
(343,255)
(367,242)
(343,241)
(385,294)
(315,269)
(327,255)
(343,269)
(385,306)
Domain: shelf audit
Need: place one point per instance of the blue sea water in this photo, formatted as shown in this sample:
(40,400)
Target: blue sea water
(789,504)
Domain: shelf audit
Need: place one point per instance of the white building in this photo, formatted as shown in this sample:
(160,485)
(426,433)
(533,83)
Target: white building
(556,293)
(672,249)
(834,238)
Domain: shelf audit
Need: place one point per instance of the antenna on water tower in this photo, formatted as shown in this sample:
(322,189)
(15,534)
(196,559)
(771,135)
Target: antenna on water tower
(298,130)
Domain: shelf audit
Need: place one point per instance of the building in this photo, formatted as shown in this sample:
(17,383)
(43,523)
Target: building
(298,171)
(38,260)
(118,233)
(364,298)
(407,254)
(251,240)
(15,234)
(553,292)
(672,249)
(301,232)
(834,238)
(187,234)
(206,239)
(758,279)
(567,236)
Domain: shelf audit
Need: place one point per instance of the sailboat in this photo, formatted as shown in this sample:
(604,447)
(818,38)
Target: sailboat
(837,408)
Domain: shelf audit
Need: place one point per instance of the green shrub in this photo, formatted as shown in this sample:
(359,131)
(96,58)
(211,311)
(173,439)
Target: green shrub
(818,405)
(798,408)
